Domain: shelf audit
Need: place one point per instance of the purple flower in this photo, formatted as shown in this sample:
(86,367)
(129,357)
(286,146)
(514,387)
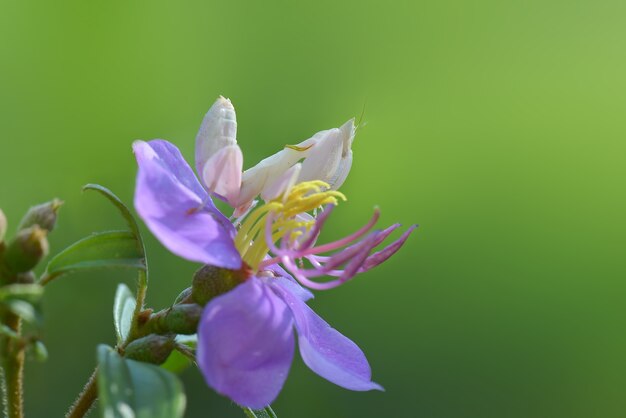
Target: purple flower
(245,336)
(246,342)
(178,210)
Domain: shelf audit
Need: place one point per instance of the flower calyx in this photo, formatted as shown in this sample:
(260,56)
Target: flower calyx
(44,215)
(26,249)
(154,349)
(210,281)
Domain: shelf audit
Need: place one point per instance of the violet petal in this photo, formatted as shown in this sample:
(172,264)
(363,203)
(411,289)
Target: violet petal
(286,280)
(178,211)
(326,351)
(246,344)
(293,287)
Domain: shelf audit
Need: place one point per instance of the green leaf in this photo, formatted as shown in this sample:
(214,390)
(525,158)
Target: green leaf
(27,311)
(128,388)
(123,308)
(104,249)
(130,220)
(8,332)
(39,350)
(266,412)
(31,293)
(142,277)
(178,362)
(24,300)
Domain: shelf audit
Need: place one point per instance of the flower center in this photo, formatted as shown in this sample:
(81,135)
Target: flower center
(283,213)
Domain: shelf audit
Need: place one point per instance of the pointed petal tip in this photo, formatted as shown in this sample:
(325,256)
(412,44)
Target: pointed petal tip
(139,145)
(349,128)
(376,386)
(143,150)
(326,351)
(223,101)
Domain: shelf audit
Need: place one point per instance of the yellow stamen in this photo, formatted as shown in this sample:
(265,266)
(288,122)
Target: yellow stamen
(303,197)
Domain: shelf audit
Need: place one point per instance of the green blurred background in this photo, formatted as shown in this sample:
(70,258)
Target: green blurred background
(499,127)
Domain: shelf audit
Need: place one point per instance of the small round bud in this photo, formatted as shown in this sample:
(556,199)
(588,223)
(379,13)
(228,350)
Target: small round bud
(211,281)
(27,249)
(3,225)
(153,348)
(179,319)
(182,318)
(44,215)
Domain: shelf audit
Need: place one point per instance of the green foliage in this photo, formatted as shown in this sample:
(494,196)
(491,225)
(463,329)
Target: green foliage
(24,300)
(31,293)
(103,249)
(131,388)
(128,217)
(123,308)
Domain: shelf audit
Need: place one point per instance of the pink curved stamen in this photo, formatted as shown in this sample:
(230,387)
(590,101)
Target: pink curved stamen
(266,263)
(288,263)
(381,256)
(303,250)
(355,258)
(316,262)
(317,227)
(269,240)
(345,256)
(346,240)
(357,261)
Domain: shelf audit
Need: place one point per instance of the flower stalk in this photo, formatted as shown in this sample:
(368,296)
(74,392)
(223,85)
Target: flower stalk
(82,405)
(13,366)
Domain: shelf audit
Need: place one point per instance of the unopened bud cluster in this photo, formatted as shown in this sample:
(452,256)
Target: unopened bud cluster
(155,340)
(21,254)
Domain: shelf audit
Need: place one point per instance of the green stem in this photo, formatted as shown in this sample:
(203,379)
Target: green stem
(13,365)
(85,400)
(47,278)
(187,352)
(142,287)
(142,276)
(89,394)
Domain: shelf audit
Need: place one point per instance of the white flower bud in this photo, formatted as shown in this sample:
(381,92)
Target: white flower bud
(327,156)
(219,160)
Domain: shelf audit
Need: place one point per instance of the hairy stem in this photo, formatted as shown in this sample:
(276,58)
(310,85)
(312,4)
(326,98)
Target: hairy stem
(85,400)
(13,365)
(142,288)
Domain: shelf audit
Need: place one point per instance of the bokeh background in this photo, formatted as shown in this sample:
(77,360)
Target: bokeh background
(499,127)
